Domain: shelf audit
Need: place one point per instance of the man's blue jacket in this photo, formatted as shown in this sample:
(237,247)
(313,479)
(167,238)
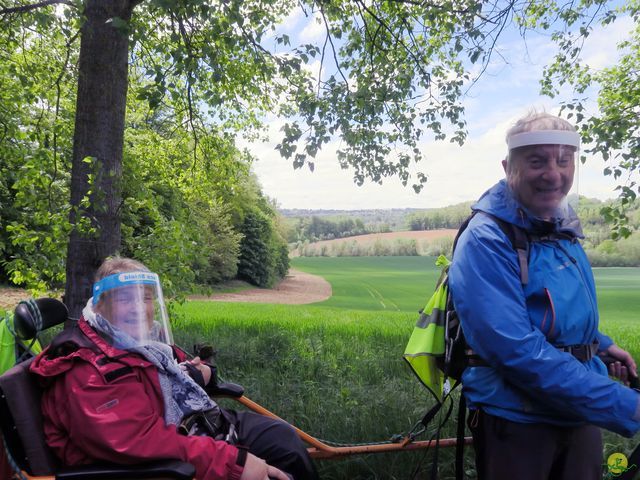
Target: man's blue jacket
(515,329)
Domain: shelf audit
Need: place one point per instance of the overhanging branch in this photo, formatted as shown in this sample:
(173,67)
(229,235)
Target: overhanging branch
(33,6)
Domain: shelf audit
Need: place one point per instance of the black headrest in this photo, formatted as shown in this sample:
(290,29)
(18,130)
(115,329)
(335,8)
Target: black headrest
(33,316)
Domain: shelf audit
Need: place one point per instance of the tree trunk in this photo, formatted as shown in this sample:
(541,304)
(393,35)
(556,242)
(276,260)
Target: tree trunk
(97,149)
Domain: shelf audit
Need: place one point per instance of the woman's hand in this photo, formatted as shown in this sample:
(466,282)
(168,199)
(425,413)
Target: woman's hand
(202,368)
(257,469)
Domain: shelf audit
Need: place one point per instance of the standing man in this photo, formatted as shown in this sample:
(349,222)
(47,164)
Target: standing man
(541,393)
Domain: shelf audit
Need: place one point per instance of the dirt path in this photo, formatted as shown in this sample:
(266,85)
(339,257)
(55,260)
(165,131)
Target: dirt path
(9,297)
(296,288)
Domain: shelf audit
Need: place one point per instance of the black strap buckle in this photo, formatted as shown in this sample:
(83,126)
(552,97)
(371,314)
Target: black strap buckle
(583,352)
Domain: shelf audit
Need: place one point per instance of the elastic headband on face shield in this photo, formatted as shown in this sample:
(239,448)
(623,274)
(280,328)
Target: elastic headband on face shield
(122,280)
(544,137)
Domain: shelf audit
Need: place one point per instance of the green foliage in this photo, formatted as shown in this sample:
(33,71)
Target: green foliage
(374,220)
(622,253)
(180,195)
(405,58)
(264,256)
(36,113)
(602,247)
(380,247)
(604,244)
(316,228)
(390,73)
(613,130)
(255,263)
(174,211)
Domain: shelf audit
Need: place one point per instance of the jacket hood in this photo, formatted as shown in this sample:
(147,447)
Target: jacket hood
(500,202)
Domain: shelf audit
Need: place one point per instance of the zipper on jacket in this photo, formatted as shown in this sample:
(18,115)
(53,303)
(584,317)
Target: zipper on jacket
(553,316)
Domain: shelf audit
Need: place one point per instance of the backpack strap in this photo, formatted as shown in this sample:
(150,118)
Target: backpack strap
(520,243)
(517,236)
(460,428)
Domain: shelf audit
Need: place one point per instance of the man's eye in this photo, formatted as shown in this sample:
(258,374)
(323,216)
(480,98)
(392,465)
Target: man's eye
(565,161)
(535,161)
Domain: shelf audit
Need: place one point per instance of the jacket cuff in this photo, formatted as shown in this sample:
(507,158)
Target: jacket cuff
(236,469)
(605,342)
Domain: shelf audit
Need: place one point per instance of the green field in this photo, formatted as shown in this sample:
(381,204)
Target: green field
(374,283)
(335,369)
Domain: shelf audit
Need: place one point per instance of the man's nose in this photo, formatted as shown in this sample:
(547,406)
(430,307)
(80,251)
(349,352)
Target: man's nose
(552,171)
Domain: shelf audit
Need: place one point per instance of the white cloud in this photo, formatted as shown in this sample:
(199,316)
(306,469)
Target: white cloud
(314,30)
(314,69)
(600,48)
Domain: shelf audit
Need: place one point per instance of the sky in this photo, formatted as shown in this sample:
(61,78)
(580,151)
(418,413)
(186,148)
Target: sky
(507,91)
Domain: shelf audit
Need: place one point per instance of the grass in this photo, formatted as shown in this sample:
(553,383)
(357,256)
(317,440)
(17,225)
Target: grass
(374,283)
(335,373)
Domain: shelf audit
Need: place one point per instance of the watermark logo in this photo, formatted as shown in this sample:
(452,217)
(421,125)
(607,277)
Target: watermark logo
(617,464)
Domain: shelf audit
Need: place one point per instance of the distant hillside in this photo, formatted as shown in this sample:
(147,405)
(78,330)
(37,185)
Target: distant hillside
(374,220)
(323,224)
(406,243)
(331,232)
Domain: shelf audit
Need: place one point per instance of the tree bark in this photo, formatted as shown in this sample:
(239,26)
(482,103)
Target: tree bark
(97,149)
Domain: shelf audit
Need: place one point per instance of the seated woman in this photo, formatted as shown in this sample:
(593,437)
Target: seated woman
(115,391)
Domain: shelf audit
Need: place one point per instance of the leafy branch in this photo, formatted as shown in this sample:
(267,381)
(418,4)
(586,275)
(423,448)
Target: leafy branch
(34,6)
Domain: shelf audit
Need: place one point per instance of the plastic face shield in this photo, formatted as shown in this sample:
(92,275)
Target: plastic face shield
(133,303)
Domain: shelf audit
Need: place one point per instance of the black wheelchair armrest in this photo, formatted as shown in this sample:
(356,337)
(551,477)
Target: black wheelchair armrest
(164,469)
(226,390)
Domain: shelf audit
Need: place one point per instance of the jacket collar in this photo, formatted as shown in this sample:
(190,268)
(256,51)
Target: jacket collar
(500,202)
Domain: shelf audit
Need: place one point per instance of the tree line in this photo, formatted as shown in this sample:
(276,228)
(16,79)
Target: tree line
(446,217)
(602,243)
(315,228)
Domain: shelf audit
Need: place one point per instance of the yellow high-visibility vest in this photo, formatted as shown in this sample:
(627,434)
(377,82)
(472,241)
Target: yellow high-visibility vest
(427,341)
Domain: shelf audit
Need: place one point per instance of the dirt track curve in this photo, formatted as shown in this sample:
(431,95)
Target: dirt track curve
(296,288)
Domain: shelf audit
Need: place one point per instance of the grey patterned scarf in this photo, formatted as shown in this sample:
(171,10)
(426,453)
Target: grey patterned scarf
(182,396)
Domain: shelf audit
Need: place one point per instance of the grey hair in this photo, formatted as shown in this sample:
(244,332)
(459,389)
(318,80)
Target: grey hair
(534,121)
(117,264)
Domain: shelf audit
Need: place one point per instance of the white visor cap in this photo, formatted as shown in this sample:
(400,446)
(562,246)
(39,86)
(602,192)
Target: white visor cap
(544,137)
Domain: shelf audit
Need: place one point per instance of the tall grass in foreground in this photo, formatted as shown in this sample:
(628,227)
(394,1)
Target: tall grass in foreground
(337,373)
